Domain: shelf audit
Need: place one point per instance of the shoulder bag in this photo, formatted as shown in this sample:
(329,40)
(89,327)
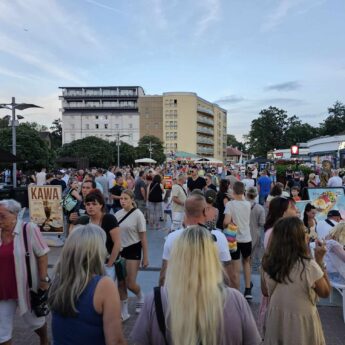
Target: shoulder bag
(38,300)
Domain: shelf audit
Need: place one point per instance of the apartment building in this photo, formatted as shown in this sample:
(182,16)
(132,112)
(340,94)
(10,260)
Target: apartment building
(151,116)
(104,112)
(189,123)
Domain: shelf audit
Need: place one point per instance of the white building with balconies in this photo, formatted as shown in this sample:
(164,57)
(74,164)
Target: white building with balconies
(104,112)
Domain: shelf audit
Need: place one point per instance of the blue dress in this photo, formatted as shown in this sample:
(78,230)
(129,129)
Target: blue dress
(86,328)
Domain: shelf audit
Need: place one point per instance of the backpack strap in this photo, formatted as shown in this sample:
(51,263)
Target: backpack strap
(27,256)
(329,223)
(160,313)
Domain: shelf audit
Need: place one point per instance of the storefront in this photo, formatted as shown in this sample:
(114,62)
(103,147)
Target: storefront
(330,148)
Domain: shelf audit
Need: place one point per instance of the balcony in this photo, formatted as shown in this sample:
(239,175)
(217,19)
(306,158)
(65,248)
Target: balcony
(205,120)
(98,93)
(205,110)
(82,105)
(204,151)
(204,140)
(205,130)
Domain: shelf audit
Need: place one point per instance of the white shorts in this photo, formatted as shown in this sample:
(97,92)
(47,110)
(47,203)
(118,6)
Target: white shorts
(7,313)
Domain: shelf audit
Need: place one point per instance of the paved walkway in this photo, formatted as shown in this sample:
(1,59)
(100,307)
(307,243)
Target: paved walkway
(330,313)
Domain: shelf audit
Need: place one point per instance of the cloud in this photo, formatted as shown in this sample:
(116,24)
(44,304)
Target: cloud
(211,15)
(287,86)
(230,99)
(285,8)
(282,102)
(13,48)
(106,7)
(9,73)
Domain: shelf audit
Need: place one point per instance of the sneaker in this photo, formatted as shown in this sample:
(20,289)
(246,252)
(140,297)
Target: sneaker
(248,292)
(139,304)
(125,317)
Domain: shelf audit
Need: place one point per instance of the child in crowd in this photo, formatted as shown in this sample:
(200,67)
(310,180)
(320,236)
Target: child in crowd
(295,193)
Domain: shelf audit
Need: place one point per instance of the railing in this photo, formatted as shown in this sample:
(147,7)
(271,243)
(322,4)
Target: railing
(103,93)
(205,110)
(201,140)
(204,119)
(88,106)
(205,130)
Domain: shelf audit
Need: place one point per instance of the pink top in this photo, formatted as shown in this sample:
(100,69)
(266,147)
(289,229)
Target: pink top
(8,282)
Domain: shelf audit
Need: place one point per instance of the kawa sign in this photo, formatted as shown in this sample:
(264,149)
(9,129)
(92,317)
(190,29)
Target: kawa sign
(45,208)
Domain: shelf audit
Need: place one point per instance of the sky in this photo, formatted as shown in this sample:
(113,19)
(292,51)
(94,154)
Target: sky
(245,55)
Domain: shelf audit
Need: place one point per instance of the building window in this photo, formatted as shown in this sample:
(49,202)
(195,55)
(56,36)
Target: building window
(97,117)
(97,126)
(130,126)
(117,126)
(87,126)
(106,126)
(106,117)
(72,126)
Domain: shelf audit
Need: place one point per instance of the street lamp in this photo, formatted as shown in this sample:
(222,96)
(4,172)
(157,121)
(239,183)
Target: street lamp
(13,106)
(118,137)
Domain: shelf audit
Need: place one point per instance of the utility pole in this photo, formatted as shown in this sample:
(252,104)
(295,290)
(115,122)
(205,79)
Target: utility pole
(13,106)
(150,147)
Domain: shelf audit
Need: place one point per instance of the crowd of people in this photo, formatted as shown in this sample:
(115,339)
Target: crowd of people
(216,220)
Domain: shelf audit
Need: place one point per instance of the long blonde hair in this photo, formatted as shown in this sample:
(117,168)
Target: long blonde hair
(194,284)
(338,233)
(81,258)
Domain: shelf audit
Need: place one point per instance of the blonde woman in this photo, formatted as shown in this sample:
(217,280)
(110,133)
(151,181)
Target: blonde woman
(85,304)
(134,249)
(335,255)
(197,306)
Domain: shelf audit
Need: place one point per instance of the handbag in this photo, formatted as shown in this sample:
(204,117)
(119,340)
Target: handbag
(68,202)
(38,300)
(120,263)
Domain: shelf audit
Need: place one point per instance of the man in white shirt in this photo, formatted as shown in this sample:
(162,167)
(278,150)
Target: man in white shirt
(335,180)
(237,211)
(41,177)
(178,198)
(248,181)
(195,206)
(325,226)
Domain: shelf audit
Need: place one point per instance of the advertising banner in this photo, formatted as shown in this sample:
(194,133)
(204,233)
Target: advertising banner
(45,208)
(167,182)
(326,199)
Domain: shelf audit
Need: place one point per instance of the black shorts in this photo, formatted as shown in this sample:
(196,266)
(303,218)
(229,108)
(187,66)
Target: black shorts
(132,252)
(244,249)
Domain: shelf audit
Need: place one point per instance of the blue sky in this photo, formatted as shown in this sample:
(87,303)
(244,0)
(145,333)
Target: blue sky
(244,54)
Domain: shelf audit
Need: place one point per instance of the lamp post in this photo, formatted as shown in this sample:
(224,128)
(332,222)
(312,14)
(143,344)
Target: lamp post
(13,106)
(150,147)
(118,137)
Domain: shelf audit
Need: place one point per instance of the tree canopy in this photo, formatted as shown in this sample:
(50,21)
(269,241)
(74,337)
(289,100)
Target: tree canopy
(274,129)
(31,149)
(157,148)
(98,151)
(335,122)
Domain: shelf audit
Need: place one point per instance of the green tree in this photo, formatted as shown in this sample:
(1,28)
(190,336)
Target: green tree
(36,126)
(31,149)
(267,131)
(335,122)
(157,148)
(274,129)
(56,134)
(127,153)
(232,141)
(98,151)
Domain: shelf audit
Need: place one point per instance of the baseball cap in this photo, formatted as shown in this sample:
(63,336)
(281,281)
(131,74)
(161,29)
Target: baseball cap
(333,213)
